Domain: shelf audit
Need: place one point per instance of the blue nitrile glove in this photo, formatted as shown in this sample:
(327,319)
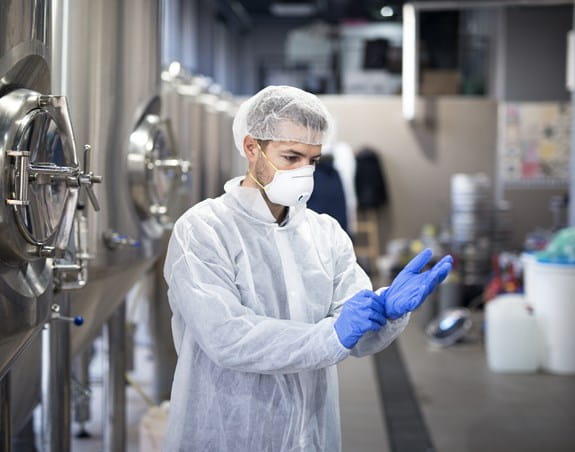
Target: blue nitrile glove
(361,313)
(410,287)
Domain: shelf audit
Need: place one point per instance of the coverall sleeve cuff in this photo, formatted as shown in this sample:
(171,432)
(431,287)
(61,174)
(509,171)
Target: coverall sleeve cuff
(400,323)
(334,346)
(381,290)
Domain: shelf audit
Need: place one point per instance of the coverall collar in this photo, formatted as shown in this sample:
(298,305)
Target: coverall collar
(251,202)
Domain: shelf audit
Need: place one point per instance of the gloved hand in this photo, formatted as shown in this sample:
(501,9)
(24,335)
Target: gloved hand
(410,287)
(361,313)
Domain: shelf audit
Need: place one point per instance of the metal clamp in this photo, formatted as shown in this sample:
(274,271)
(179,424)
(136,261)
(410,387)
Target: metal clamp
(70,276)
(73,276)
(179,164)
(22,160)
(32,173)
(53,171)
(87,179)
(158,210)
(182,166)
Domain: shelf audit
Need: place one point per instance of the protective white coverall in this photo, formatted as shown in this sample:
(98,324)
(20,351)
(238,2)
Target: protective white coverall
(254,305)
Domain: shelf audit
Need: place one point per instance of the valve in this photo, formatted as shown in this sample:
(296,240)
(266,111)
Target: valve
(78,320)
(114,240)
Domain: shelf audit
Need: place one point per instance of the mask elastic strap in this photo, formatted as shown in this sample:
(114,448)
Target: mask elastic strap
(269,161)
(266,157)
(255,180)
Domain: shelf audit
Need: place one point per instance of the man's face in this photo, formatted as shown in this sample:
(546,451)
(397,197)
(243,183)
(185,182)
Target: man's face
(284,155)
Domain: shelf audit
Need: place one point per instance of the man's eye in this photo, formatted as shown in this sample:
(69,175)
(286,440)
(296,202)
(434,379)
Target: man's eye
(291,158)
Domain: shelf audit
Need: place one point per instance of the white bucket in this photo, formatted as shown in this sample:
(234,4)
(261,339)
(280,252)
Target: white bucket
(153,428)
(528,260)
(550,288)
(511,335)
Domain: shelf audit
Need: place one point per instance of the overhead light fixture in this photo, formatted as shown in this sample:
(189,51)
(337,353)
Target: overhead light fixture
(386,11)
(571,61)
(410,61)
(293,8)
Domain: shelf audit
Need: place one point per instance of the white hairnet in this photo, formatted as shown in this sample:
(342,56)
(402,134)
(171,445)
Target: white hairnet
(283,113)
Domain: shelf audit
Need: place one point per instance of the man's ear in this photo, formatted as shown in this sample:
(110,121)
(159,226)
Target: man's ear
(251,148)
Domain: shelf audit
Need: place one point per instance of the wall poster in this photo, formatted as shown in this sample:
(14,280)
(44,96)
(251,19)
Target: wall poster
(534,143)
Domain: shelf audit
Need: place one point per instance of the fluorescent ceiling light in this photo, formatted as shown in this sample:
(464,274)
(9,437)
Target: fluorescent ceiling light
(293,9)
(571,61)
(410,61)
(386,11)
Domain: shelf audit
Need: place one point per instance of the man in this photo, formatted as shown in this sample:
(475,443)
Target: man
(267,296)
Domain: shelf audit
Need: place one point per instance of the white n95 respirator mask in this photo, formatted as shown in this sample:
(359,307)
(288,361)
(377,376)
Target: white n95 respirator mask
(289,187)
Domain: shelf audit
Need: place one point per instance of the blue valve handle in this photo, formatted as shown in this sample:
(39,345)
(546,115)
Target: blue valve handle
(78,320)
(131,242)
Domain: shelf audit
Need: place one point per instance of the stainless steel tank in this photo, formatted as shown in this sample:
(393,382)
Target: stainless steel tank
(39,187)
(202,116)
(223,161)
(180,94)
(109,68)
(215,142)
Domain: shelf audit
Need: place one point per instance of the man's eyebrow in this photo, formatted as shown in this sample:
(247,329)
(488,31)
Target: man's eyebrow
(300,154)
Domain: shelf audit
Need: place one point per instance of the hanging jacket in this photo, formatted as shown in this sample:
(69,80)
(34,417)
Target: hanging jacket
(370,181)
(328,195)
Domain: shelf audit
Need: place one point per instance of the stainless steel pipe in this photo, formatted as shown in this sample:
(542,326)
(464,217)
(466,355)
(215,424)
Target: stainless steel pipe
(115,382)
(82,396)
(165,356)
(5,419)
(56,400)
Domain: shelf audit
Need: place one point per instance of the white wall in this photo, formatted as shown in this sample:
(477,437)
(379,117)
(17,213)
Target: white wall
(419,160)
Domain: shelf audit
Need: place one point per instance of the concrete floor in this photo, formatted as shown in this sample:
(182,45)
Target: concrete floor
(466,408)
(362,423)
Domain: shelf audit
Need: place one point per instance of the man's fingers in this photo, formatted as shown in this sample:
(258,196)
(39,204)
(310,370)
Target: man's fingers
(417,297)
(436,275)
(440,271)
(416,264)
(407,301)
(377,303)
(377,317)
(365,293)
(445,259)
